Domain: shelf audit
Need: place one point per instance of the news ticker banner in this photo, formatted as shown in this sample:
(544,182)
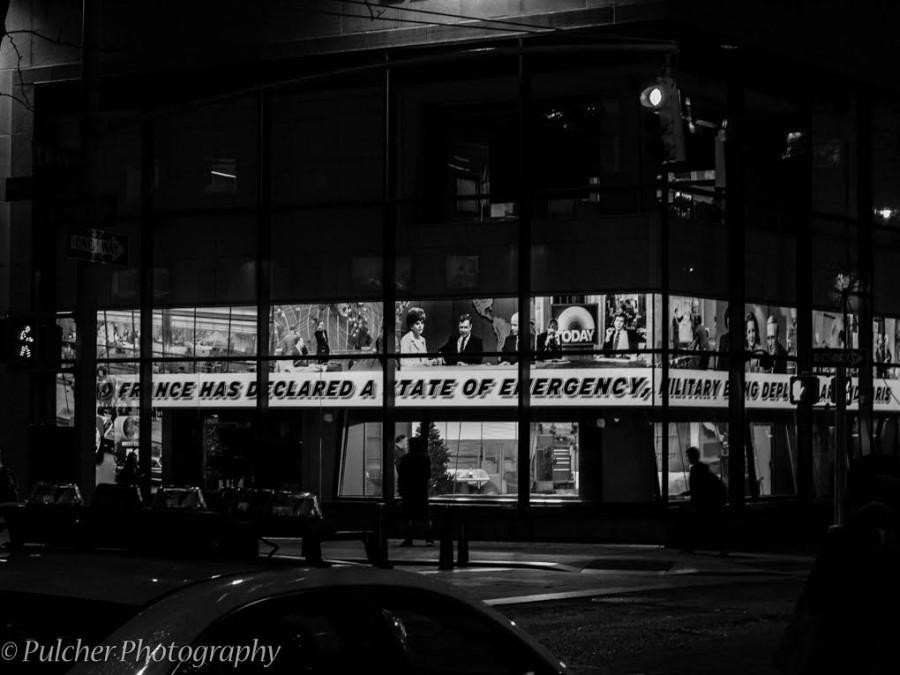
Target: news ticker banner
(473,387)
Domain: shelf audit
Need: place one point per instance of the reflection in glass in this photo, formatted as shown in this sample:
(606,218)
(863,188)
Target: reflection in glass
(118,334)
(554,459)
(774,459)
(68,331)
(325,330)
(65,400)
(473,458)
(206,332)
(360,472)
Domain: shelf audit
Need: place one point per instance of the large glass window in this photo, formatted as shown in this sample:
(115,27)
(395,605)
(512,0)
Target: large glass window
(774,460)
(328,147)
(709,437)
(208,157)
(204,332)
(205,260)
(118,334)
(118,419)
(333,336)
(328,253)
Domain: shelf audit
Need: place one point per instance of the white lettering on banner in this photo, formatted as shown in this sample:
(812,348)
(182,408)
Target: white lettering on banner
(480,387)
(577,336)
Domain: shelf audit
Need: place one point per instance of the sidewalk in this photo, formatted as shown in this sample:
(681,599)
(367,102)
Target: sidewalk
(571,557)
(523,572)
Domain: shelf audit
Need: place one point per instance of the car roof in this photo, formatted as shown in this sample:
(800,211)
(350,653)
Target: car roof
(182,616)
(204,602)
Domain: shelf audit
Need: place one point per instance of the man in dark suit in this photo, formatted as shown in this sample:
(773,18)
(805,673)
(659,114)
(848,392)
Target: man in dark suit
(510,346)
(619,338)
(775,360)
(463,348)
(548,342)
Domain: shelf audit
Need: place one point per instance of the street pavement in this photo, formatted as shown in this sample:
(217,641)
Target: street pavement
(514,573)
(612,609)
(510,573)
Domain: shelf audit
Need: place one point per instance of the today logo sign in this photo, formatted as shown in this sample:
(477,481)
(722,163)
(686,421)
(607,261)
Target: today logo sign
(577,323)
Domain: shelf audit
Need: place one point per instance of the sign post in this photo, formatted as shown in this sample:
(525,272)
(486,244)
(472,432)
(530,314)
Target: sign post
(840,444)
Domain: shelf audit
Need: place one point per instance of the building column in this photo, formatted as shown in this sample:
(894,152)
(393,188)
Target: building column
(86,316)
(734,220)
(526,196)
(145,450)
(864,233)
(262,434)
(389,284)
(803,279)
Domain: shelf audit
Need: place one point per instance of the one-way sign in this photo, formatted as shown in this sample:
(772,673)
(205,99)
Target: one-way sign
(837,358)
(97,246)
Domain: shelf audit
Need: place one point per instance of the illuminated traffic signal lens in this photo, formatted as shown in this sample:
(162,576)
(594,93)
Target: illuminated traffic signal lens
(30,343)
(804,389)
(653,96)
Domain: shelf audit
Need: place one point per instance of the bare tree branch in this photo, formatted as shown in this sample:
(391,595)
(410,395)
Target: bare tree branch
(23,99)
(372,13)
(27,102)
(22,102)
(56,41)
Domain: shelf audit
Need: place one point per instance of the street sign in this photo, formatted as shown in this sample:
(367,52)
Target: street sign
(836,358)
(97,246)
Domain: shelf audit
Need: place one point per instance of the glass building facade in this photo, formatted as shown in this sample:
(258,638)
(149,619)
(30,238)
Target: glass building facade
(500,249)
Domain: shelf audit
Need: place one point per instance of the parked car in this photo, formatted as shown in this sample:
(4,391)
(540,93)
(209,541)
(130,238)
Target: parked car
(154,616)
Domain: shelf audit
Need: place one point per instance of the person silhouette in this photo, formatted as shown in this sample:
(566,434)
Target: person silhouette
(413,477)
(708,494)
(323,349)
(128,474)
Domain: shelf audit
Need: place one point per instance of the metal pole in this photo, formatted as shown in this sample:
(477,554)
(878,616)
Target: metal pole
(864,267)
(263,278)
(664,329)
(86,315)
(804,335)
(389,284)
(145,452)
(840,444)
(524,295)
(734,216)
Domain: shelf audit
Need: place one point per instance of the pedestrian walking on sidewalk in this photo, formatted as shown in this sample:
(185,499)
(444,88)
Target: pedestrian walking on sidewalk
(846,618)
(706,524)
(413,476)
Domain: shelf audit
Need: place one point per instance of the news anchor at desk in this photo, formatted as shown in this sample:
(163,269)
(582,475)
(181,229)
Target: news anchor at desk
(548,343)
(463,348)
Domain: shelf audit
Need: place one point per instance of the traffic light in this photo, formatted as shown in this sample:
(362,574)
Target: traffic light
(30,343)
(804,389)
(833,392)
(664,99)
